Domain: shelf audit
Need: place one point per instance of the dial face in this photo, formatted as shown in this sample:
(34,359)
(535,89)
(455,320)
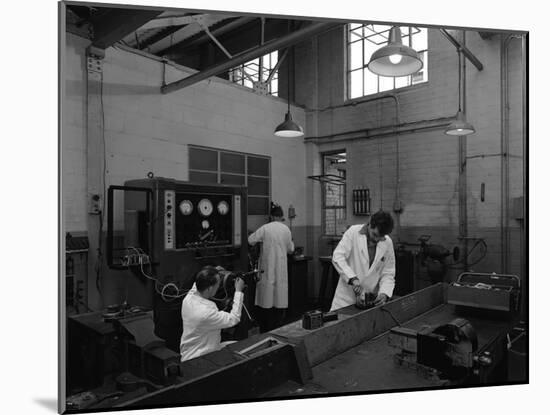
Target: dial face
(223,207)
(205,224)
(205,207)
(186,207)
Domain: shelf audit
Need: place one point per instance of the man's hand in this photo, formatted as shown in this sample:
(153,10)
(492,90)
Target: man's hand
(239,284)
(356,286)
(380,299)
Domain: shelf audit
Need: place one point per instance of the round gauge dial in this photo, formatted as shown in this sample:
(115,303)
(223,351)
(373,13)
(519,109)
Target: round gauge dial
(205,207)
(223,207)
(205,224)
(186,207)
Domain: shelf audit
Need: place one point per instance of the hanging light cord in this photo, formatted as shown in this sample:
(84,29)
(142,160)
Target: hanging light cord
(459,81)
(288,73)
(288,84)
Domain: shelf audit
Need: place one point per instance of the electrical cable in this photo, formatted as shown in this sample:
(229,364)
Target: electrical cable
(226,294)
(480,258)
(247,313)
(161,291)
(104,180)
(163,287)
(104,142)
(380,177)
(99,255)
(484,249)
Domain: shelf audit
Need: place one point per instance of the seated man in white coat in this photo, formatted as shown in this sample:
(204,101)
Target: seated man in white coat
(202,321)
(365,260)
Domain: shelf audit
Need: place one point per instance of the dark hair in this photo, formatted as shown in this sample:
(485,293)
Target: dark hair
(276,210)
(383,221)
(206,278)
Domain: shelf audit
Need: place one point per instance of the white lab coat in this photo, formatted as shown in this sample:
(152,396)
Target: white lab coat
(272,288)
(351,259)
(202,323)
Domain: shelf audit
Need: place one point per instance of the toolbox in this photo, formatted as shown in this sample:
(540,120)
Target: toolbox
(486,291)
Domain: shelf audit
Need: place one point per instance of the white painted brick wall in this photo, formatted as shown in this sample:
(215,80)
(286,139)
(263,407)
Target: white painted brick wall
(429,161)
(149,131)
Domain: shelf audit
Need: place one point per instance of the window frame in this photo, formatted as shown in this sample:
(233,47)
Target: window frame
(348,71)
(245,175)
(324,208)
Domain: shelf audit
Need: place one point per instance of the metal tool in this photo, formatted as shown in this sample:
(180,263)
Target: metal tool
(365,300)
(315,319)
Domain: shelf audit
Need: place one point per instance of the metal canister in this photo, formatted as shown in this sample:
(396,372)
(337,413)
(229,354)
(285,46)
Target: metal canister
(312,320)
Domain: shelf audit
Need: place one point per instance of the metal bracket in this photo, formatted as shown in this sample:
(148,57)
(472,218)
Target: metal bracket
(94,63)
(261,87)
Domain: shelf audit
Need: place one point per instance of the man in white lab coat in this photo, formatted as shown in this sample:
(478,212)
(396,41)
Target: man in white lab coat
(272,288)
(365,260)
(202,321)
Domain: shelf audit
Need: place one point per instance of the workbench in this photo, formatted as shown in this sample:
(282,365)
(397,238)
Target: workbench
(370,366)
(350,355)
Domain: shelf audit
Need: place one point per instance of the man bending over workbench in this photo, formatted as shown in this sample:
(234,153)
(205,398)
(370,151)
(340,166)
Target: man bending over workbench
(365,260)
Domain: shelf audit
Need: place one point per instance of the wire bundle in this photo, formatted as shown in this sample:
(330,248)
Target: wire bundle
(160,288)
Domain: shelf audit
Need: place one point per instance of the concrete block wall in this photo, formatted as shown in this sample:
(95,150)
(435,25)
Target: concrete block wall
(428,159)
(73,144)
(146,131)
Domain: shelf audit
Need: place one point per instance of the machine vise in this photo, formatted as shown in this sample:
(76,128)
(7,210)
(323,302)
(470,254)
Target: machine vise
(449,351)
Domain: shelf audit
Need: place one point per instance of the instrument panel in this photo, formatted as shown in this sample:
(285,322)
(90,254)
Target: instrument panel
(201,220)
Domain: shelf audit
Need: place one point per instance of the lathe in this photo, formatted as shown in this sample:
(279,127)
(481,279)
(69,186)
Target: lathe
(417,341)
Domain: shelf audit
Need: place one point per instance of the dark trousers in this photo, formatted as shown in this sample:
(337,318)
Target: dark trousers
(270,318)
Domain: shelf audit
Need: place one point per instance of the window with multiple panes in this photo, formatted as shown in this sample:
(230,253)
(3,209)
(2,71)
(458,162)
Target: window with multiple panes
(334,193)
(213,166)
(363,40)
(257,70)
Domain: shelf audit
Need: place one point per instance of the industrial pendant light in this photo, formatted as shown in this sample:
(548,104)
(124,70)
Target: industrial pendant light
(288,128)
(460,126)
(395,59)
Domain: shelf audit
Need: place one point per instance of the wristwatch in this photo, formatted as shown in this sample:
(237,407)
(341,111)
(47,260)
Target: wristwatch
(350,281)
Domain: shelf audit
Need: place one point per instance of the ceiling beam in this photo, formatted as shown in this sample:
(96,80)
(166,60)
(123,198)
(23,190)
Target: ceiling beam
(159,47)
(77,25)
(117,23)
(163,21)
(459,46)
(283,42)
(202,38)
